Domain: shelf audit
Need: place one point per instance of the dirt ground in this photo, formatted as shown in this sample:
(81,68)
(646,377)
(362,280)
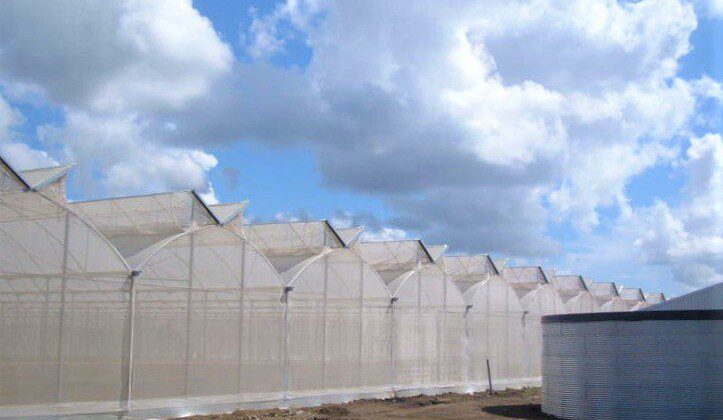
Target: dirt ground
(508,404)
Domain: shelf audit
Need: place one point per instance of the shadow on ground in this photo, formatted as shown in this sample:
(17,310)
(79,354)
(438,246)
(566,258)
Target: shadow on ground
(518,411)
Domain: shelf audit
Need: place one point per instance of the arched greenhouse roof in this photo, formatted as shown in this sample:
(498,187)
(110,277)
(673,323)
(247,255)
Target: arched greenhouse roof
(468,270)
(311,255)
(42,240)
(135,223)
(287,244)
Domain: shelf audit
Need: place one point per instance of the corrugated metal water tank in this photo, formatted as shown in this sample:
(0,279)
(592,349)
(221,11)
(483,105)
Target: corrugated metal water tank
(633,365)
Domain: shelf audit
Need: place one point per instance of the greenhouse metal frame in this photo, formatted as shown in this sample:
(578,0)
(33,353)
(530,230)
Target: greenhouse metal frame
(162,305)
(494,324)
(538,298)
(575,294)
(607,296)
(427,315)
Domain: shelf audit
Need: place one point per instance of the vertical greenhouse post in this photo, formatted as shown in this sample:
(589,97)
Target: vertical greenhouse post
(287,331)
(61,318)
(392,347)
(128,335)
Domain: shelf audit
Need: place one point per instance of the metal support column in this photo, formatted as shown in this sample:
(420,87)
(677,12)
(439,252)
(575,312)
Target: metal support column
(285,349)
(325,329)
(61,319)
(392,345)
(241,317)
(128,344)
(360,354)
(189,311)
(467,347)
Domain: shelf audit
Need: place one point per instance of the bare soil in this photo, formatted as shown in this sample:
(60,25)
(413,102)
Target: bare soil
(507,404)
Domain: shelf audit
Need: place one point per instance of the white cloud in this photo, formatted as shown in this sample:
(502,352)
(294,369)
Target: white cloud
(114,56)
(132,158)
(22,156)
(18,154)
(109,68)
(384,234)
(284,216)
(711,8)
(373,229)
(689,237)
(479,123)
(547,109)
(265,38)
(9,118)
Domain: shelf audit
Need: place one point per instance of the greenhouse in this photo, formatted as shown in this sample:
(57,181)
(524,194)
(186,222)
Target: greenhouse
(427,316)
(207,321)
(538,298)
(654,298)
(494,324)
(633,298)
(64,302)
(574,293)
(338,327)
(161,305)
(607,296)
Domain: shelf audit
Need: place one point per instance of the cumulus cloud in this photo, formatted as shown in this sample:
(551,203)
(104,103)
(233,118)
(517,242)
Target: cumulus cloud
(711,8)
(479,124)
(111,56)
(110,68)
(123,155)
(689,237)
(17,153)
(374,229)
(546,110)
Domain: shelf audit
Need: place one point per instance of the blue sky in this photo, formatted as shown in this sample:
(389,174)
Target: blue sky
(589,142)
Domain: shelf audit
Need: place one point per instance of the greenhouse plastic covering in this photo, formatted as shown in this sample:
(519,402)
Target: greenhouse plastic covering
(575,294)
(607,296)
(161,305)
(495,324)
(538,297)
(634,299)
(654,298)
(428,316)
(339,328)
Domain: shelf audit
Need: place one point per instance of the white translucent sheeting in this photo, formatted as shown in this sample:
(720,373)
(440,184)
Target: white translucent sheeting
(339,326)
(574,293)
(208,321)
(436,252)
(538,298)
(710,297)
(500,264)
(633,298)
(393,258)
(230,215)
(286,244)
(51,180)
(582,302)
(524,277)
(350,235)
(496,334)
(607,297)
(10,180)
(429,319)
(63,308)
(467,270)
(538,302)
(134,223)
(654,298)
